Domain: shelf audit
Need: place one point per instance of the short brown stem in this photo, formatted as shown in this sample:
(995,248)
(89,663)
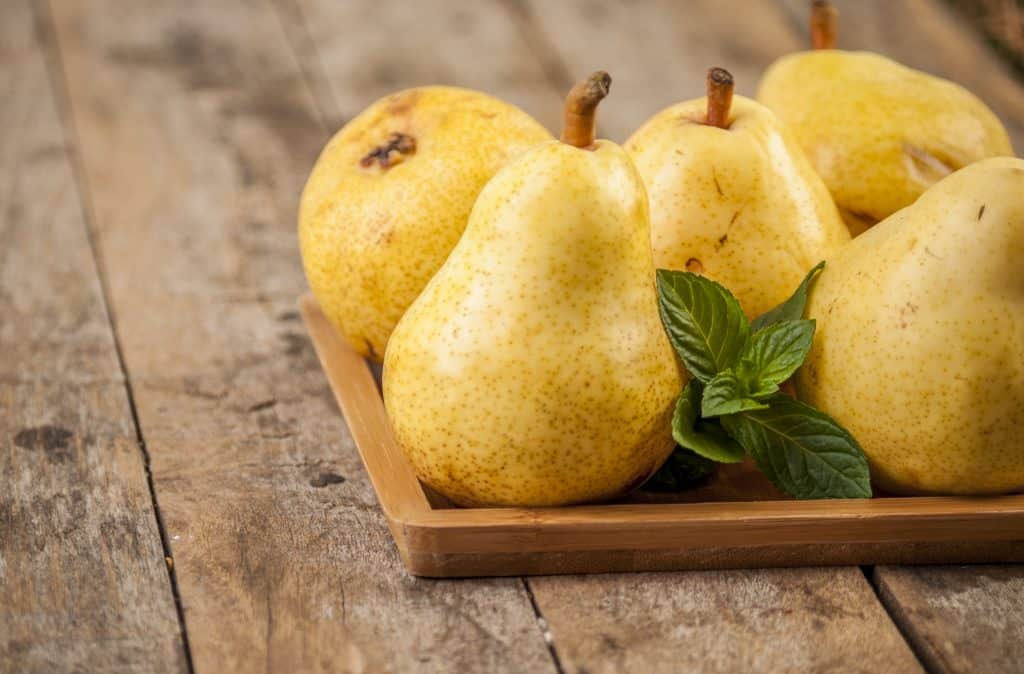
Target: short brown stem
(720,88)
(824,24)
(580,124)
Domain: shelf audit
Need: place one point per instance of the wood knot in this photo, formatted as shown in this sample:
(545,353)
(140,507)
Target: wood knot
(53,440)
(393,152)
(326,478)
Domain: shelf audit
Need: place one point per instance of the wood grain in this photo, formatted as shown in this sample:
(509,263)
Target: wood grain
(400,494)
(784,620)
(454,42)
(959,619)
(930,36)
(197,131)
(83,582)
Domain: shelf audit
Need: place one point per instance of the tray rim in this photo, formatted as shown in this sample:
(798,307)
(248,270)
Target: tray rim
(425,536)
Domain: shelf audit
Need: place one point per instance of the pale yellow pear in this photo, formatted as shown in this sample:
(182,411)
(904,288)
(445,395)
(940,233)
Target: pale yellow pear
(919,350)
(533,370)
(740,204)
(390,196)
(878,133)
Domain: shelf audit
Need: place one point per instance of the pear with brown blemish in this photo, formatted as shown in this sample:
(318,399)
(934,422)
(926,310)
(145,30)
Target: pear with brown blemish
(879,133)
(919,350)
(733,197)
(534,369)
(390,196)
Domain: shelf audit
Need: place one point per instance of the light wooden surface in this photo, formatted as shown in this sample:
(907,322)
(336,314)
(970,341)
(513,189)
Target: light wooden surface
(781,620)
(192,126)
(83,581)
(960,619)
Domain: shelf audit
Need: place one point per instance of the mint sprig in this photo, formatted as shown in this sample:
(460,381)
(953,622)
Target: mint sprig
(707,438)
(727,393)
(733,406)
(703,320)
(774,353)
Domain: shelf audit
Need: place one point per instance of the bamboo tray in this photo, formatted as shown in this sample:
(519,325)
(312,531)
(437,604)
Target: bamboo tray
(735,520)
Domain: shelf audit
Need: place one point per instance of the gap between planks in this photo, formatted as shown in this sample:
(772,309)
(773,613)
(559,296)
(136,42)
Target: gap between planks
(46,34)
(542,625)
(869,576)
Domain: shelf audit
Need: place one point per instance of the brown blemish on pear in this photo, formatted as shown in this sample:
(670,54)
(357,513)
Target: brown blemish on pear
(395,151)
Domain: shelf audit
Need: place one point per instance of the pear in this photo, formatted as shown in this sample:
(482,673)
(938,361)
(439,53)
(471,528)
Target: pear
(879,133)
(390,195)
(919,350)
(733,196)
(533,370)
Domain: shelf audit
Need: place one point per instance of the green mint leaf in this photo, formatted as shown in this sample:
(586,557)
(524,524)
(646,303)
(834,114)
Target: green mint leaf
(682,470)
(803,451)
(793,308)
(705,438)
(773,355)
(747,372)
(727,394)
(703,320)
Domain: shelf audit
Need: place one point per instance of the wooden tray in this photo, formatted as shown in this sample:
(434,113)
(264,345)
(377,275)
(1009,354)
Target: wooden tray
(735,520)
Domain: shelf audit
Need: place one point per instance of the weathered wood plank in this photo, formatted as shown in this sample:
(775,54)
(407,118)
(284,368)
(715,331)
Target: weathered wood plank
(780,620)
(454,42)
(658,53)
(930,36)
(197,132)
(962,619)
(83,582)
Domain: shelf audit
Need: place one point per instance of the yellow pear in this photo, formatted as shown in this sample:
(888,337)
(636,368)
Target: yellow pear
(879,133)
(919,350)
(733,197)
(390,196)
(533,370)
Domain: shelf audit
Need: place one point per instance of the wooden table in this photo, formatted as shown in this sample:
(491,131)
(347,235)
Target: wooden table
(179,492)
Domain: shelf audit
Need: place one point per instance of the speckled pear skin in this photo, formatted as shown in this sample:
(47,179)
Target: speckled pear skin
(372,237)
(879,133)
(919,350)
(534,369)
(740,205)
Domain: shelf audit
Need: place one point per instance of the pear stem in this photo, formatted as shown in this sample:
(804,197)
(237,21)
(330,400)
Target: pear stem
(824,24)
(580,124)
(720,86)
